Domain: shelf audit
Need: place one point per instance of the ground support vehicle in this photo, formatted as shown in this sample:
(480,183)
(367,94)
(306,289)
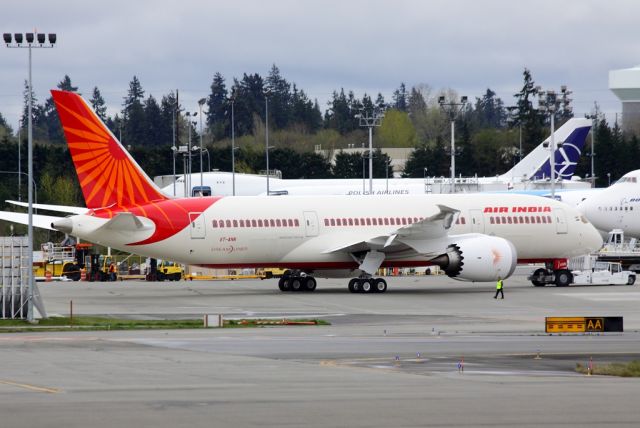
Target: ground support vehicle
(557,273)
(170,271)
(604,273)
(585,270)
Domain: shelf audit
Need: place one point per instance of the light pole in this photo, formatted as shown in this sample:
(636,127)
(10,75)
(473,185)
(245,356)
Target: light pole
(174,148)
(200,104)
(173,151)
(189,125)
(386,171)
(34,40)
(594,117)
(370,121)
(609,177)
(19,160)
(233,145)
(266,131)
(550,103)
(512,118)
(452,109)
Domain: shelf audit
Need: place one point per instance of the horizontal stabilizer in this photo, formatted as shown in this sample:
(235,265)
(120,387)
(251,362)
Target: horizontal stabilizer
(56,208)
(41,221)
(125,222)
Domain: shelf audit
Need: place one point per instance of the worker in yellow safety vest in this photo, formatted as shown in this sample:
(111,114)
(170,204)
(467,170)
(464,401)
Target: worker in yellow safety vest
(499,287)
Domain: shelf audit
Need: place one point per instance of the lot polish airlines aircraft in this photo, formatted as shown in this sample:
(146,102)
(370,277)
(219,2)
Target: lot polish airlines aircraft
(529,173)
(473,237)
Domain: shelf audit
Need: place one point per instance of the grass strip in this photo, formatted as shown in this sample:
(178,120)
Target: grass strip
(631,369)
(104,323)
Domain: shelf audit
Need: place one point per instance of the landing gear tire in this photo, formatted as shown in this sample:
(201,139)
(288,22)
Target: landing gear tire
(366,285)
(296,283)
(631,280)
(539,273)
(284,283)
(379,285)
(309,283)
(354,285)
(563,278)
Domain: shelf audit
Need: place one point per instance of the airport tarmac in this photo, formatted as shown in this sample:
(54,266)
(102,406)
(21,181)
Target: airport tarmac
(387,359)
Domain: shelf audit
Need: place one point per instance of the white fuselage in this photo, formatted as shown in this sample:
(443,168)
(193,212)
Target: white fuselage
(539,229)
(616,207)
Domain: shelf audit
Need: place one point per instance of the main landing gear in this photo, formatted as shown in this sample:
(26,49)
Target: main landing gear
(297,282)
(367,285)
(300,282)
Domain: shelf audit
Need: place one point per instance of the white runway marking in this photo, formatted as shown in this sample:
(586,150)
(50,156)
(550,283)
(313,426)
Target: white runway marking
(605,297)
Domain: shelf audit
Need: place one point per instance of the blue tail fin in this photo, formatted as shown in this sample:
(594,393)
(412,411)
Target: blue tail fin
(566,156)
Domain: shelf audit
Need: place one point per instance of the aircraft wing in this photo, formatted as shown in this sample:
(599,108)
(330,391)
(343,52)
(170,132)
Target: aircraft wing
(41,221)
(405,238)
(57,208)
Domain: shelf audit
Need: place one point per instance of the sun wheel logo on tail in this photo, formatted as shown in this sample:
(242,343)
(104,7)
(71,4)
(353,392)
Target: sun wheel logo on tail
(478,258)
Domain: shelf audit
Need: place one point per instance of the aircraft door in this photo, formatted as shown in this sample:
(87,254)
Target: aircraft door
(561,220)
(310,223)
(197,225)
(477,221)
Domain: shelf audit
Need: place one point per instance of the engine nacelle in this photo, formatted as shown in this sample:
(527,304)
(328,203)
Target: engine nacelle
(477,257)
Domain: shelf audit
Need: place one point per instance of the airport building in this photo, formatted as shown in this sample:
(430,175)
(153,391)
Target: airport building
(625,84)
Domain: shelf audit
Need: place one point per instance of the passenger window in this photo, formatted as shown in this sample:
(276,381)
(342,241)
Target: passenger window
(368,221)
(356,222)
(254,223)
(278,222)
(228,223)
(350,222)
(272,223)
(241,223)
(214,223)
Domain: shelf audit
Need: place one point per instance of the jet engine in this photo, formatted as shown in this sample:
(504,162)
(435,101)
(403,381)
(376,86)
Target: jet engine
(478,258)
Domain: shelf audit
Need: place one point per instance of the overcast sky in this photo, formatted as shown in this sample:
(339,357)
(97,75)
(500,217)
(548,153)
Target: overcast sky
(366,46)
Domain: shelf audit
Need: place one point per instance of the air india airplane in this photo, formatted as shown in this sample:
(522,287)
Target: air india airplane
(472,237)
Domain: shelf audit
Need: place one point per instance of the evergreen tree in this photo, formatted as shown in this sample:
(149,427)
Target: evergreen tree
(400,98)
(98,104)
(416,103)
(249,95)
(157,132)
(489,111)
(279,98)
(169,112)
(349,165)
(134,126)
(304,112)
(339,115)
(527,116)
(65,85)
(217,118)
